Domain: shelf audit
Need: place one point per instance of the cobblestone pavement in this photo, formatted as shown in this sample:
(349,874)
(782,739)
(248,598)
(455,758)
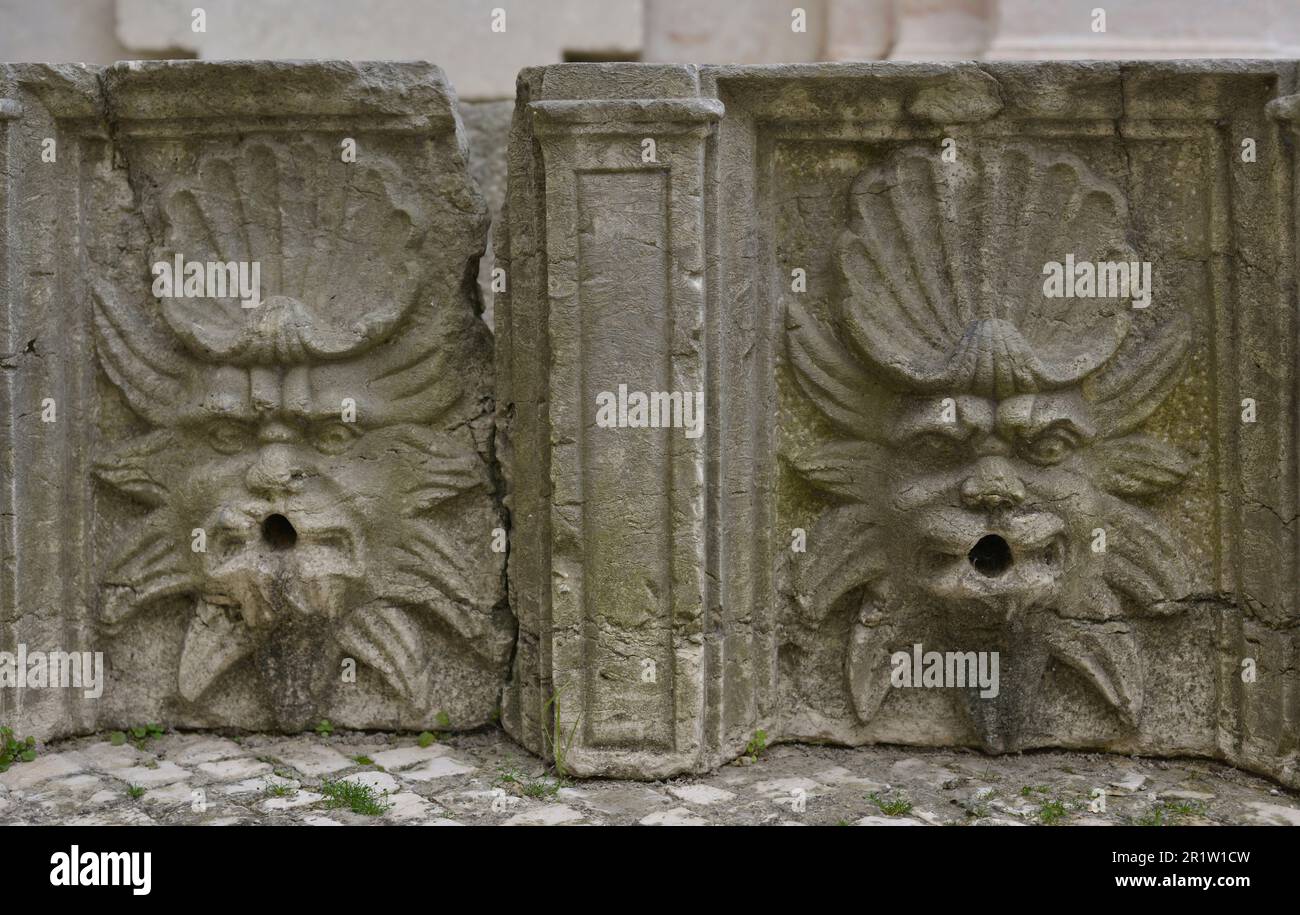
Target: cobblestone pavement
(485,778)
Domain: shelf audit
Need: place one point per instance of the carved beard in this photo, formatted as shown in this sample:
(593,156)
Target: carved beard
(1027,644)
(293,600)
(1075,618)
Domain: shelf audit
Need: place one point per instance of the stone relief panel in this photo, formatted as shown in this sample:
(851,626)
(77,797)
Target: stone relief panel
(999,441)
(991,472)
(328,440)
(283,471)
(1028,506)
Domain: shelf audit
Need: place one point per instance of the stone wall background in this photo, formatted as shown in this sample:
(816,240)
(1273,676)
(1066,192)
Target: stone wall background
(669,31)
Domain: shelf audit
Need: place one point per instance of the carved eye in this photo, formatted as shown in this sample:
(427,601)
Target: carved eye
(228,436)
(334,438)
(1049,447)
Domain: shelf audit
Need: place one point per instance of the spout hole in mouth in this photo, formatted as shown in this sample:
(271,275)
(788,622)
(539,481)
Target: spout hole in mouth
(278,532)
(991,556)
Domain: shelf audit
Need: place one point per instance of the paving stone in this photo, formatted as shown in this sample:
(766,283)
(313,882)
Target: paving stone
(75,785)
(700,794)
(292,801)
(232,769)
(104,757)
(46,767)
(257,785)
(626,801)
(407,806)
(872,820)
(310,758)
(378,781)
(550,815)
(1130,783)
(174,794)
(164,774)
(439,767)
(786,788)
(914,770)
(121,816)
(1274,814)
(192,749)
(405,757)
(1180,795)
(678,816)
(838,775)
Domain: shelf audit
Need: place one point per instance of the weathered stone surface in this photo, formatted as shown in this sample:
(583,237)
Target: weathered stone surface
(487,130)
(241,500)
(909,438)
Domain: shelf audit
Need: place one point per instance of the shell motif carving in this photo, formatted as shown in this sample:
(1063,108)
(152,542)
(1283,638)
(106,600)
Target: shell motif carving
(985,433)
(322,537)
(310,222)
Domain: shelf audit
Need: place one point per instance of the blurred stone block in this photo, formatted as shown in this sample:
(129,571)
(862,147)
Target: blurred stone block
(481,60)
(1140,29)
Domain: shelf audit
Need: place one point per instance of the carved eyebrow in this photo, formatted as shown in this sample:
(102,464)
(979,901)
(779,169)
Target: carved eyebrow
(960,429)
(225,406)
(317,412)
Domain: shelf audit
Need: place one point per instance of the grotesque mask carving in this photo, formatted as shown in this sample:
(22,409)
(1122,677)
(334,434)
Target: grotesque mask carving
(988,477)
(303,441)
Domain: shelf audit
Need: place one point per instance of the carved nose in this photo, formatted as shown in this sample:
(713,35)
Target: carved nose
(274,473)
(994,485)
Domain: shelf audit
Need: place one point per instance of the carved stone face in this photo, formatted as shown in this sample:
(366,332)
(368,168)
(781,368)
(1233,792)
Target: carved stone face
(990,503)
(286,535)
(310,476)
(985,435)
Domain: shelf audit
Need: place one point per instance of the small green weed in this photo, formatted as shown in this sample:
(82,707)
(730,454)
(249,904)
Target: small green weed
(895,805)
(355,796)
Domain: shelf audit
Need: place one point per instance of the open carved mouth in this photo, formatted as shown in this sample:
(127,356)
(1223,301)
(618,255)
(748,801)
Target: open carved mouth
(266,563)
(278,532)
(992,556)
(1021,559)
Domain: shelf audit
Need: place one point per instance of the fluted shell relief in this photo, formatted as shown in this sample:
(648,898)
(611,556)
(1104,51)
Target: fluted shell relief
(318,228)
